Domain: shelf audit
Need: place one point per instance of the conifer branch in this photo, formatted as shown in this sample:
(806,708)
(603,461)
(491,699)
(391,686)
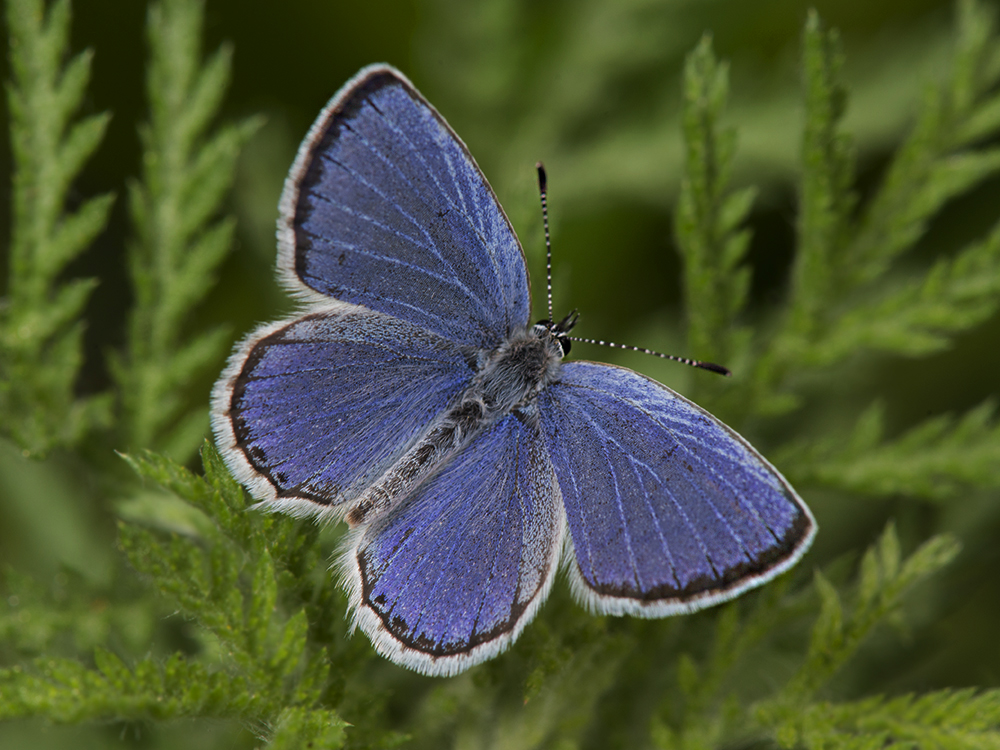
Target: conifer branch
(65,691)
(836,311)
(704,685)
(298,727)
(273,673)
(826,199)
(934,460)
(942,719)
(883,579)
(228,580)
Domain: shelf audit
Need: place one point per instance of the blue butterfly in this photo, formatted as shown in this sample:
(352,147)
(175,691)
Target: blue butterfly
(413,398)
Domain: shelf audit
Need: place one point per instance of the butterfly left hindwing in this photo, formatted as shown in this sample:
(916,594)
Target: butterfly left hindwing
(451,575)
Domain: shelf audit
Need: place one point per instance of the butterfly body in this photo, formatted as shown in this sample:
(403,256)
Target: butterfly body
(507,381)
(517,371)
(413,399)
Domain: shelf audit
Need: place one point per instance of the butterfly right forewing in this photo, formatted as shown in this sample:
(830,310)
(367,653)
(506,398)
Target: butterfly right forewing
(669,510)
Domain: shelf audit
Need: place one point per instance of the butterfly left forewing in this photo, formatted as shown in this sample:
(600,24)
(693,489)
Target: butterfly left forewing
(385,207)
(668,509)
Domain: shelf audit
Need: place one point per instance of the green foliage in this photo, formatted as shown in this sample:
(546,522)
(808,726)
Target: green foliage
(217,612)
(934,460)
(178,246)
(711,710)
(263,666)
(591,88)
(228,581)
(836,308)
(707,219)
(66,691)
(882,581)
(69,616)
(838,311)
(950,719)
(40,328)
(298,727)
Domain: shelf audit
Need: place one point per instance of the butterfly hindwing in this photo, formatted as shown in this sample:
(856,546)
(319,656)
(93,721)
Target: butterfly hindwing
(312,410)
(668,509)
(385,207)
(451,575)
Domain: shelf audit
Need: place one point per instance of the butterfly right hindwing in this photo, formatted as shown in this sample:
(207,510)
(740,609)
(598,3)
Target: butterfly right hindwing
(452,574)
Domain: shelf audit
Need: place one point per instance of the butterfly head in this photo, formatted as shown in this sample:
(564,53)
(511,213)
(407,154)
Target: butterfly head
(559,331)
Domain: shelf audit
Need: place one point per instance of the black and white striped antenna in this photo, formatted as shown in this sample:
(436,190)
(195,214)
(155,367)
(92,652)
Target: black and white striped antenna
(542,190)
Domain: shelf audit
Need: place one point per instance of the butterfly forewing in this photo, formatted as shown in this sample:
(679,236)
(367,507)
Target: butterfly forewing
(669,510)
(386,208)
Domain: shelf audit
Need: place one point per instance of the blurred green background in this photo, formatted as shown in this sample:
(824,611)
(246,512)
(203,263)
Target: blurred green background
(592,88)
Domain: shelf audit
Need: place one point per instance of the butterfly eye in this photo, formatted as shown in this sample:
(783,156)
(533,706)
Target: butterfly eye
(556,331)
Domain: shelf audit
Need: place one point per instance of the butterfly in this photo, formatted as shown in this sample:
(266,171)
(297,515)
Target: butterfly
(413,398)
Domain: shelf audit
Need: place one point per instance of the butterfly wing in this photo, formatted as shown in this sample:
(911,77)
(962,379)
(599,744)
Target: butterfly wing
(311,411)
(669,510)
(385,207)
(449,577)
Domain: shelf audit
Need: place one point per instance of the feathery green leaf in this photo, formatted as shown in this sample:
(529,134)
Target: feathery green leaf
(934,460)
(66,691)
(884,579)
(942,720)
(297,728)
(178,246)
(40,325)
(707,221)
